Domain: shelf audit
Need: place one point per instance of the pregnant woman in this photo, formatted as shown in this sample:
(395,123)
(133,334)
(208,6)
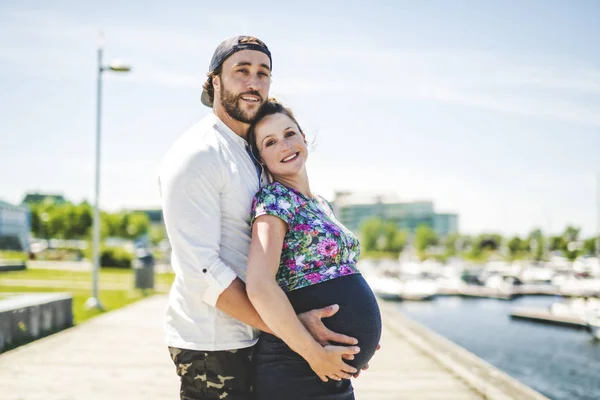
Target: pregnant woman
(302,258)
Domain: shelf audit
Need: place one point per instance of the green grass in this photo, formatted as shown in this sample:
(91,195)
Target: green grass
(107,275)
(116,287)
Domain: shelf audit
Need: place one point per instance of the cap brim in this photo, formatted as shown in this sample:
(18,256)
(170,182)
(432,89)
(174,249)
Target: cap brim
(205,99)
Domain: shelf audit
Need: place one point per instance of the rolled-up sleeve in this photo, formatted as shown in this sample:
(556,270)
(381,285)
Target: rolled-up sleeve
(190,196)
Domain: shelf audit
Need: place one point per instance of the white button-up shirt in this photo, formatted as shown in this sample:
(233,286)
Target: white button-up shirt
(207,182)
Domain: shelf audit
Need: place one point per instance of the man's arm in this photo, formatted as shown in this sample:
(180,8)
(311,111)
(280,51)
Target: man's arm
(234,302)
(190,188)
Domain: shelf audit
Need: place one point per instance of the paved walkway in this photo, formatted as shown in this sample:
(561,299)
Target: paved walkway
(118,355)
(121,355)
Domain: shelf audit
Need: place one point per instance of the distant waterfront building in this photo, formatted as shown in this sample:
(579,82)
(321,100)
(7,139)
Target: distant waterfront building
(37,198)
(353,209)
(15,223)
(154,215)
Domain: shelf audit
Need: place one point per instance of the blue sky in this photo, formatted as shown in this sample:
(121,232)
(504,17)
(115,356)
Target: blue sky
(489,108)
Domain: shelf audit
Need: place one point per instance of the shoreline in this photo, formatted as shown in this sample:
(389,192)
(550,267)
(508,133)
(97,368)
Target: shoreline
(487,380)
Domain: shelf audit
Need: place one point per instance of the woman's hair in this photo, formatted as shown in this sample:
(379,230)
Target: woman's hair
(270,107)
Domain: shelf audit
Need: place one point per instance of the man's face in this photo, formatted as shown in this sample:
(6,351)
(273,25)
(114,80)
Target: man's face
(245,80)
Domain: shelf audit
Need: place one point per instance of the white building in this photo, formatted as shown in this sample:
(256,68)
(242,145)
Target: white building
(15,224)
(352,209)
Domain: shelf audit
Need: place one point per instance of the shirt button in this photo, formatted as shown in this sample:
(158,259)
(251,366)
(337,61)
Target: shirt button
(204,270)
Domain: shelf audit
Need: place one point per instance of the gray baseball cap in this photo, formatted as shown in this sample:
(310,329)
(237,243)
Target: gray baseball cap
(229,46)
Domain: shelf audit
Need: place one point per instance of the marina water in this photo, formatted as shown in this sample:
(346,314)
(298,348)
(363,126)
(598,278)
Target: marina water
(559,362)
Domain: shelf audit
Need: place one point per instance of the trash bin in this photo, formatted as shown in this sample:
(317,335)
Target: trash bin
(143,267)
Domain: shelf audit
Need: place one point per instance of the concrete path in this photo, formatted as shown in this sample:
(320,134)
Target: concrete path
(121,355)
(399,371)
(118,355)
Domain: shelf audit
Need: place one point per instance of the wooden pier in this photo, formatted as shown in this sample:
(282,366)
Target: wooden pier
(478,291)
(121,354)
(545,316)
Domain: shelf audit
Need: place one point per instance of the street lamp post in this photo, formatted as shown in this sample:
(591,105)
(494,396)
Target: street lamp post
(94,301)
(598,216)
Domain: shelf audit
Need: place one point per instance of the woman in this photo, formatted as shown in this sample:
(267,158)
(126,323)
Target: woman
(302,258)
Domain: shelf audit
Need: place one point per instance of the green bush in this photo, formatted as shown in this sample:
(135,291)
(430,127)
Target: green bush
(115,257)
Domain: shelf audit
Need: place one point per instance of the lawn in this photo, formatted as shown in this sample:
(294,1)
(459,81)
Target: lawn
(116,287)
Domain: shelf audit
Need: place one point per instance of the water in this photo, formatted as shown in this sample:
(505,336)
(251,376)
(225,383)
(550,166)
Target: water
(561,363)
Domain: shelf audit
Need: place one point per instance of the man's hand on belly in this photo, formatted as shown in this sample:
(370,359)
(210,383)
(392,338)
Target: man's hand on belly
(312,321)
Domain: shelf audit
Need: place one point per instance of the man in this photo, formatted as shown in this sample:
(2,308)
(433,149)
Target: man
(207,183)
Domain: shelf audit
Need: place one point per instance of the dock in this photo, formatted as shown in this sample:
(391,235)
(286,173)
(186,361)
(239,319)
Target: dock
(479,292)
(121,354)
(545,316)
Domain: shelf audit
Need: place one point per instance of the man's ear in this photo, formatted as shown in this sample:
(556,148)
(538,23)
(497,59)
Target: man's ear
(216,81)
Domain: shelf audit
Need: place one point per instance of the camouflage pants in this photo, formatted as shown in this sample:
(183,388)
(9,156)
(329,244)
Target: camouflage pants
(214,374)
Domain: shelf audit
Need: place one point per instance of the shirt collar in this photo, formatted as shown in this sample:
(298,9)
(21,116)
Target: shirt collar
(227,131)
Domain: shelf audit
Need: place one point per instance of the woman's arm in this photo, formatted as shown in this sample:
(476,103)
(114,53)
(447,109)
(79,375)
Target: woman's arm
(275,309)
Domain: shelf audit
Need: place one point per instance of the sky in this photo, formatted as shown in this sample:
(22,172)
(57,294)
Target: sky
(490,109)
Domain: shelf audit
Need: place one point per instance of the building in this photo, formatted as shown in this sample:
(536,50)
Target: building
(154,215)
(15,224)
(353,209)
(37,198)
(445,223)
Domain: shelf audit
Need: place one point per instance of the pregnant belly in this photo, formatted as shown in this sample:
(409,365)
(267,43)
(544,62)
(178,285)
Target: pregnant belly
(358,315)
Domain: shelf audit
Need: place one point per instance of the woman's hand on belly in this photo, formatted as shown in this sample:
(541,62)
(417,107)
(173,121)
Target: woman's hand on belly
(312,321)
(366,367)
(328,362)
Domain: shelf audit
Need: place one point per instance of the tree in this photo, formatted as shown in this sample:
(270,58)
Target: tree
(395,240)
(571,234)
(40,217)
(514,246)
(571,238)
(557,243)
(371,230)
(488,241)
(451,243)
(465,243)
(110,225)
(58,222)
(425,237)
(134,224)
(589,246)
(83,219)
(157,235)
(537,244)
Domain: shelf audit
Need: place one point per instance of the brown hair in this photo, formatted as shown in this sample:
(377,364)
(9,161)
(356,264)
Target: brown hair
(208,84)
(270,107)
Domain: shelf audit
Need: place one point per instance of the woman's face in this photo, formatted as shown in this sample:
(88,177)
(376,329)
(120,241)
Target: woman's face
(281,146)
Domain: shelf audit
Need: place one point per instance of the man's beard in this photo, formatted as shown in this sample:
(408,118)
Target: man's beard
(230,103)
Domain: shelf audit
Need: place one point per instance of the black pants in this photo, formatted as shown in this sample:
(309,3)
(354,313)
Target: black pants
(214,374)
(281,374)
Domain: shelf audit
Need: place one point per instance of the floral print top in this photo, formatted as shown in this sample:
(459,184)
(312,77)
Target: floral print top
(317,247)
